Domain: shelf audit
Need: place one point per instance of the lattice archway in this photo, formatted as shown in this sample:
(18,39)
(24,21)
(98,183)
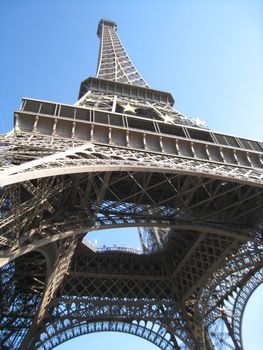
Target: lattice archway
(152,332)
(244,295)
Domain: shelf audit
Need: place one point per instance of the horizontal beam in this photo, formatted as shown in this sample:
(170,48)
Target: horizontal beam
(84,160)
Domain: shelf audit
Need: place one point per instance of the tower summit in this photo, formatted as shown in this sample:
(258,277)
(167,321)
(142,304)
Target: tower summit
(118,84)
(114,64)
(105,23)
(122,156)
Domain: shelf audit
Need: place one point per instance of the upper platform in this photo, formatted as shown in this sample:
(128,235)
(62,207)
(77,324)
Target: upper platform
(126,90)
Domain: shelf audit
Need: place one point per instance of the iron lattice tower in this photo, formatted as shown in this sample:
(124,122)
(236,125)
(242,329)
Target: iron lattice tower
(122,156)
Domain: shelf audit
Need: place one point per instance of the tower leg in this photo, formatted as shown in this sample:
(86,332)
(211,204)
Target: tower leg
(65,253)
(231,333)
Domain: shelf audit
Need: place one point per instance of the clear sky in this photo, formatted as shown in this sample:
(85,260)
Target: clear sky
(207,53)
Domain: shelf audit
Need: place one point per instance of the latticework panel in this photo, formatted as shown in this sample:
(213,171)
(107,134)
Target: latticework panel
(22,283)
(223,300)
(124,288)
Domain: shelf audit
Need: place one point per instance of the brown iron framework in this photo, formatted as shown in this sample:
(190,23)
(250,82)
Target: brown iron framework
(122,156)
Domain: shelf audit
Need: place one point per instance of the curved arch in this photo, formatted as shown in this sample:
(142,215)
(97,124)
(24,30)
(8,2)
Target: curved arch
(184,225)
(138,209)
(90,158)
(240,267)
(215,173)
(224,300)
(149,331)
(242,299)
(225,331)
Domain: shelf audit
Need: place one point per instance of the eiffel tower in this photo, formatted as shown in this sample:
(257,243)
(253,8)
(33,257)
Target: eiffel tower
(122,156)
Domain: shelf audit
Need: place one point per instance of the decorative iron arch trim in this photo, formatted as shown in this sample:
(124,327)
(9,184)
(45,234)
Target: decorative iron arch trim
(240,304)
(230,306)
(146,332)
(235,265)
(226,328)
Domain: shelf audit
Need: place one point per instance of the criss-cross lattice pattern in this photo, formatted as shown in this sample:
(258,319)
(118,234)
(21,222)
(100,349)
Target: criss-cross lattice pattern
(22,283)
(136,289)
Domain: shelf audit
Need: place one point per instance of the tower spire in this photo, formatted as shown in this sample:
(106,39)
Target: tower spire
(114,63)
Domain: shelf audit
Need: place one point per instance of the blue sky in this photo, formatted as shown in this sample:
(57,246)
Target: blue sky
(207,53)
